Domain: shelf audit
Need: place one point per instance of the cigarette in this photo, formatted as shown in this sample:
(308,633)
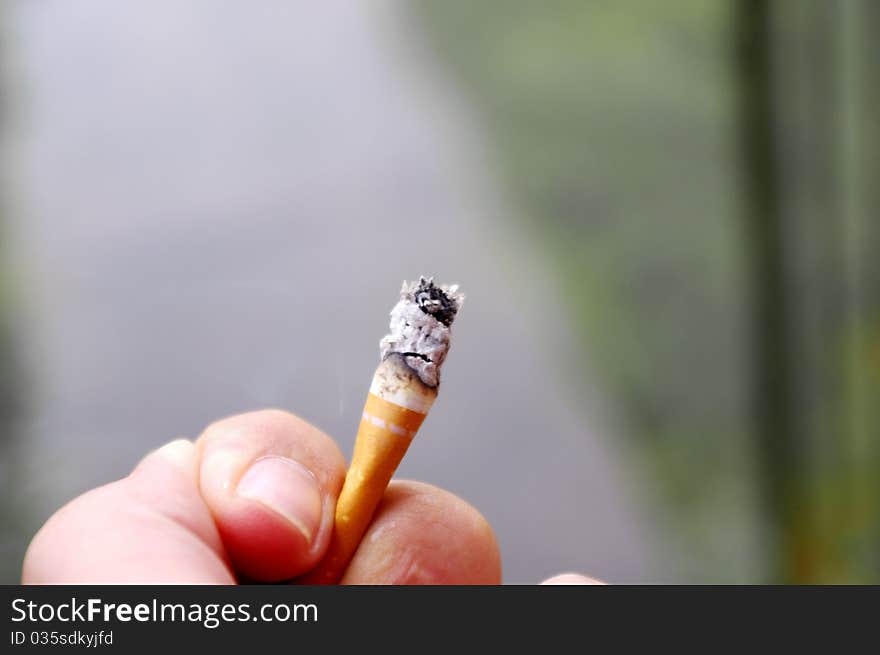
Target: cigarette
(403,389)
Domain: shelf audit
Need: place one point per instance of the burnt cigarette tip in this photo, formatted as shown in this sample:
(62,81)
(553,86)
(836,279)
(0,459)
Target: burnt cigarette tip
(440,301)
(419,329)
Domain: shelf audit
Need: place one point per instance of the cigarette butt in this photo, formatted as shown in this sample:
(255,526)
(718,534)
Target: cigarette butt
(403,389)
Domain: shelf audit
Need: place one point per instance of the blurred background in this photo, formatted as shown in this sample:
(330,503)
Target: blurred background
(665,216)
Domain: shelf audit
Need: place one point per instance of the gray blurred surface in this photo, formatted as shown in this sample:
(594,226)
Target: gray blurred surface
(216,209)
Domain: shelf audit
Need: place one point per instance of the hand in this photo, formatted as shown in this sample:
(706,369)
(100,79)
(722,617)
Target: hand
(253,499)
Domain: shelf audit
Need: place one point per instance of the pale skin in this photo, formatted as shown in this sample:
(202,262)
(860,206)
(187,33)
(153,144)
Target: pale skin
(252,499)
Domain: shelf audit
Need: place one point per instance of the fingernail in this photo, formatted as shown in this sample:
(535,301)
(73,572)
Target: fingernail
(286,487)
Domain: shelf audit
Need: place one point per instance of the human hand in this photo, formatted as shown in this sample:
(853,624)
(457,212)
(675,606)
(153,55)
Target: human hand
(253,499)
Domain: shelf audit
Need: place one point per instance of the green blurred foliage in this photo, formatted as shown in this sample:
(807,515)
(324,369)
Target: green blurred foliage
(11,398)
(617,128)
(11,375)
(614,126)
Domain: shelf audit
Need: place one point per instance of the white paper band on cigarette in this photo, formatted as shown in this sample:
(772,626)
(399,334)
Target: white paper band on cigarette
(405,396)
(392,427)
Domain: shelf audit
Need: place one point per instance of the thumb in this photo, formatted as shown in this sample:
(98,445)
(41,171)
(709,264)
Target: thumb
(150,527)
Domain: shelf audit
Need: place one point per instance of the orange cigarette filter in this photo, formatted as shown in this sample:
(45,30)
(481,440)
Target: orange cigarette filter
(403,389)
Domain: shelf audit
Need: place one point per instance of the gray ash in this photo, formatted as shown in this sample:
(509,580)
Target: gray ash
(420,327)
